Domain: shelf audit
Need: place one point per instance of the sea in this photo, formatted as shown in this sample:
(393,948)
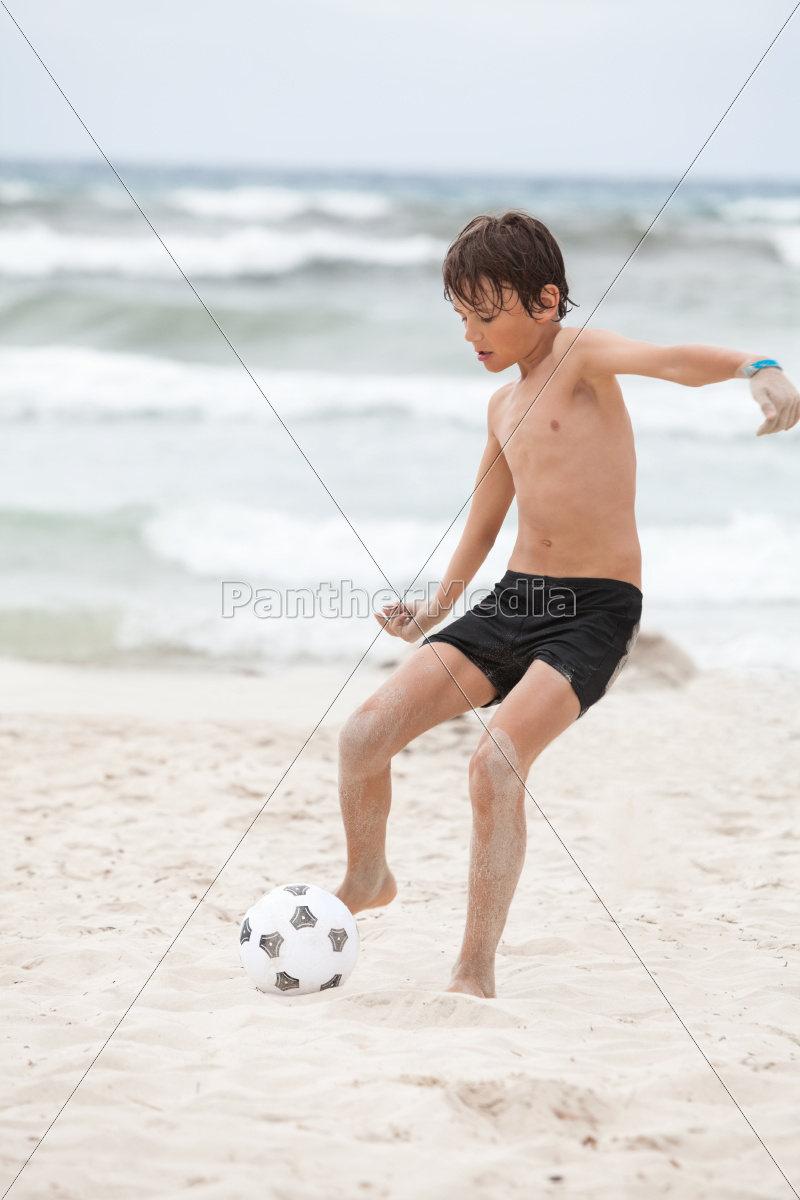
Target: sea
(157,507)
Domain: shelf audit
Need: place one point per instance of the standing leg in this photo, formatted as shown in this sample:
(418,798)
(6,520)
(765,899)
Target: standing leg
(538,709)
(420,694)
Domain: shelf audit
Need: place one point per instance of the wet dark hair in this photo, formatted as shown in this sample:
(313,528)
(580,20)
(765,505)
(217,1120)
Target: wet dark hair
(511,251)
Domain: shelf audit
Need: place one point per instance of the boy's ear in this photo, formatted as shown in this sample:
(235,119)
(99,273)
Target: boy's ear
(548,299)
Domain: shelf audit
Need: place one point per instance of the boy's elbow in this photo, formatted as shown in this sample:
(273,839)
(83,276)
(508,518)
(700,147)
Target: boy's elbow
(486,539)
(696,366)
(684,375)
(677,370)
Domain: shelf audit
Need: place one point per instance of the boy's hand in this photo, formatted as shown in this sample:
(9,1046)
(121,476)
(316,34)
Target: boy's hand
(407,621)
(778,397)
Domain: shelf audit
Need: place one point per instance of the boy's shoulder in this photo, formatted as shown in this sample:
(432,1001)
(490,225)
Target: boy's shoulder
(589,353)
(502,392)
(585,341)
(498,398)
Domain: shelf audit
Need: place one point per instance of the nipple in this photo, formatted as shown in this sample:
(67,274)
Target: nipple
(554,425)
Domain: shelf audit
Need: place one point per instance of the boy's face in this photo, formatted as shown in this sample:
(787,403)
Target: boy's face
(513,335)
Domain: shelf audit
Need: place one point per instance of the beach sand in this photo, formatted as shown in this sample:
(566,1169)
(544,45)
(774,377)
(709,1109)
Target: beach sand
(123,794)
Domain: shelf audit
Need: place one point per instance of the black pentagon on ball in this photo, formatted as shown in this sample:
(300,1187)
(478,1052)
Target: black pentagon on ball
(334,981)
(303,916)
(271,944)
(244,934)
(286,982)
(338,937)
(297,889)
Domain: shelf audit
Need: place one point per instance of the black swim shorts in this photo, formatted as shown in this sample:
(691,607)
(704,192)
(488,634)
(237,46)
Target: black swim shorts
(585,628)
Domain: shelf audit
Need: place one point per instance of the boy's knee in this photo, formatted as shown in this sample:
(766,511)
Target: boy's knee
(496,767)
(364,741)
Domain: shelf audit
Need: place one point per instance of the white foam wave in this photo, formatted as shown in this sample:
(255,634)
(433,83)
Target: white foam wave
(278,203)
(275,549)
(738,637)
(17,191)
(38,251)
(787,243)
(260,643)
(723,410)
(782,239)
(78,383)
(734,637)
(771,209)
(752,559)
(729,593)
(772,225)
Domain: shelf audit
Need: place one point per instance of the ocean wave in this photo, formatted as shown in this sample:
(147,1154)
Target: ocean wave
(787,243)
(278,203)
(17,191)
(719,411)
(196,634)
(729,592)
(153,634)
(38,251)
(778,210)
(780,237)
(753,559)
(74,383)
(253,243)
(741,640)
(79,384)
(222,540)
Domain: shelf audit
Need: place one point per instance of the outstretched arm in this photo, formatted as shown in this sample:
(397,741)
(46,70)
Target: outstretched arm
(605,354)
(491,500)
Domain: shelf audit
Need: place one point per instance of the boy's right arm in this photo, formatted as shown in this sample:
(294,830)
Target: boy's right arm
(491,500)
(604,354)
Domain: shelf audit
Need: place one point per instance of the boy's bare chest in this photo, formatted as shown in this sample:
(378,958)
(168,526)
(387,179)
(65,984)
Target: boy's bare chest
(547,424)
(567,443)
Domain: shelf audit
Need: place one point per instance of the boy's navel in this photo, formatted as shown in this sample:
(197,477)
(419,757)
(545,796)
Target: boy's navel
(555,426)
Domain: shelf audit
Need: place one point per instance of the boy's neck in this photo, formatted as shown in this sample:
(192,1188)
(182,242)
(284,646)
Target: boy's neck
(542,347)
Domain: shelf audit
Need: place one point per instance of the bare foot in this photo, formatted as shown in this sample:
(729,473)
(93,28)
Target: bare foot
(473,984)
(358,893)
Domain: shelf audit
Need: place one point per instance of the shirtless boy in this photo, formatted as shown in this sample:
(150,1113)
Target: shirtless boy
(560,441)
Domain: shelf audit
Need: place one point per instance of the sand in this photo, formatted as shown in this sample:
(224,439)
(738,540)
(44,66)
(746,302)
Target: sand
(124,793)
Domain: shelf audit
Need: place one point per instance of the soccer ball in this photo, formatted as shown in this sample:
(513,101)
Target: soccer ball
(298,939)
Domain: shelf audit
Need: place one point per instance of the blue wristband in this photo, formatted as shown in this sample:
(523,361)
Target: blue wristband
(750,369)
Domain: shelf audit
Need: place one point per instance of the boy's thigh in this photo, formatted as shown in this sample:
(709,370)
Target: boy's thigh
(540,707)
(436,683)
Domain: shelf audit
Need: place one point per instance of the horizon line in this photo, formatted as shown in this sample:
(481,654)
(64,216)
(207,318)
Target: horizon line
(395,171)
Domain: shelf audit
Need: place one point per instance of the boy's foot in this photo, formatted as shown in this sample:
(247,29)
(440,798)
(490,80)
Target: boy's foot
(359,894)
(470,984)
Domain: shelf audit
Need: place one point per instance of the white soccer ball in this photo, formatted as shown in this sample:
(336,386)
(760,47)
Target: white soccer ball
(298,939)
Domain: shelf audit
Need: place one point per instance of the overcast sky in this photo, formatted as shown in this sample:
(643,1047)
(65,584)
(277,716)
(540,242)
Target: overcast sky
(563,86)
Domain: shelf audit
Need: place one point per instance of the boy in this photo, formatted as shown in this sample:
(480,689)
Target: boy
(556,631)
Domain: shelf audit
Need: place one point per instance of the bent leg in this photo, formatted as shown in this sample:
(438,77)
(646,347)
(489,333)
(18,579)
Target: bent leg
(538,709)
(436,683)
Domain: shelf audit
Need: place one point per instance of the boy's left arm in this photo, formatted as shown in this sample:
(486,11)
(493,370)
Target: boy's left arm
(693,366)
